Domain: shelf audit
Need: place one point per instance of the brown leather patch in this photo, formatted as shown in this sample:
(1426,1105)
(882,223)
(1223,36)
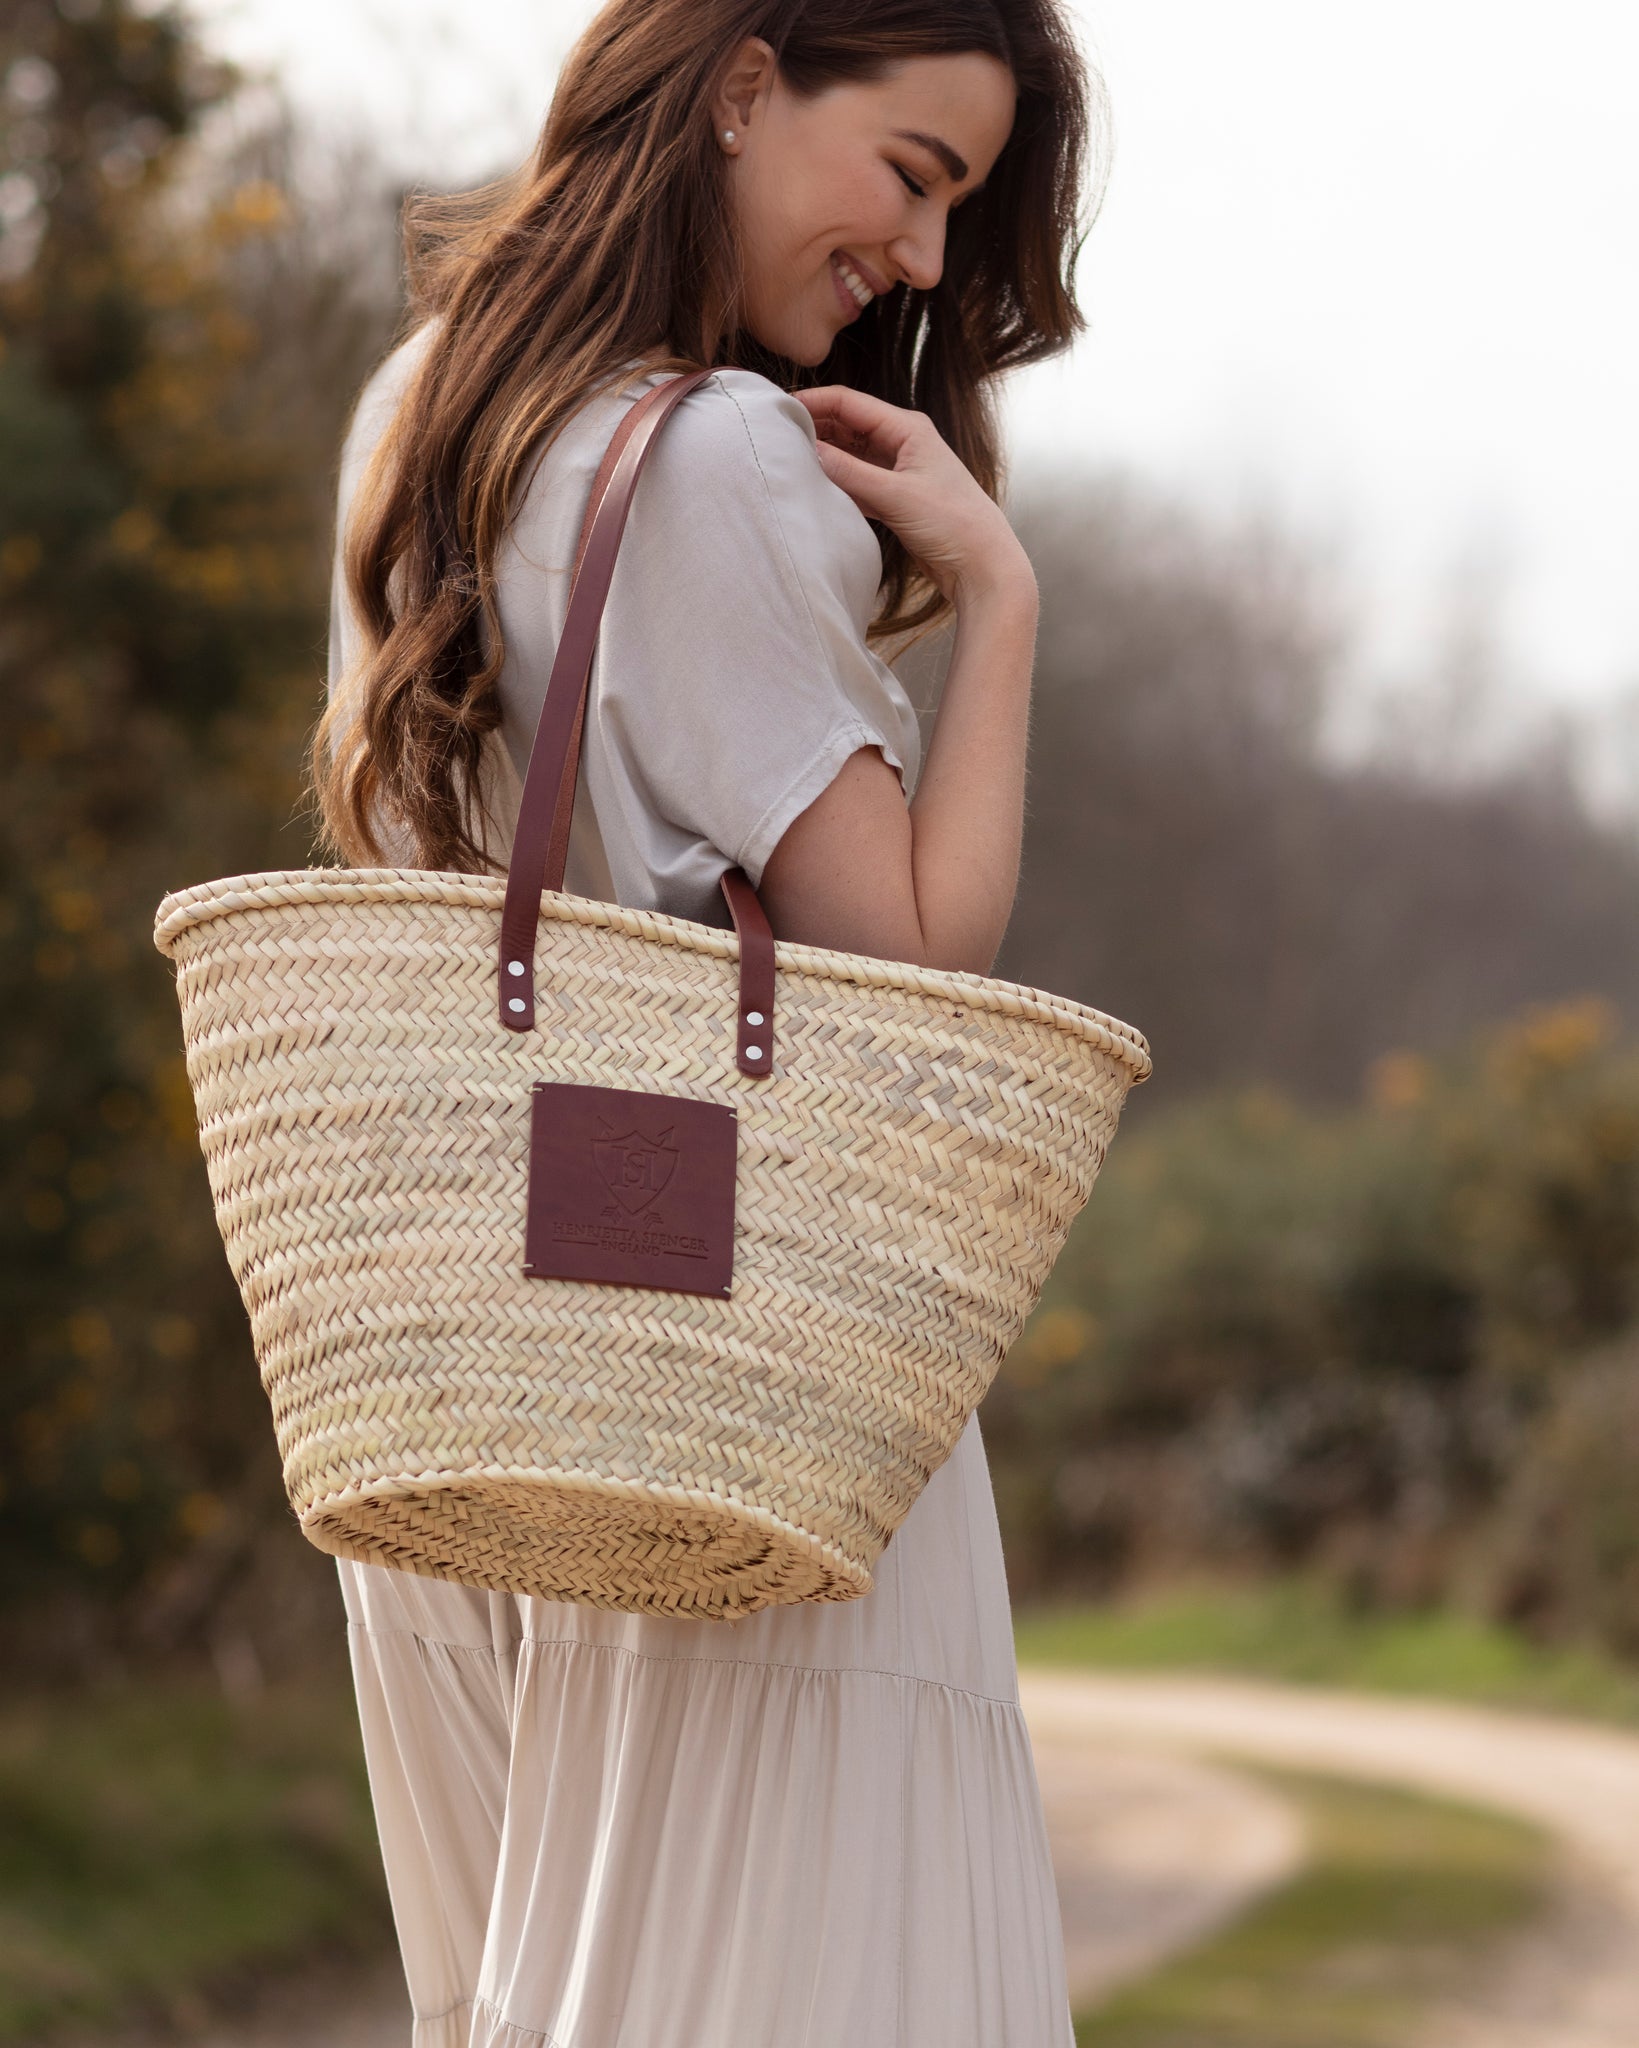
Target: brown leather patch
(630,1187)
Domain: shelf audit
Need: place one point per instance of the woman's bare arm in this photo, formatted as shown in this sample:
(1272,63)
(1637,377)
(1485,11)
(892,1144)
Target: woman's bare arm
(931,881)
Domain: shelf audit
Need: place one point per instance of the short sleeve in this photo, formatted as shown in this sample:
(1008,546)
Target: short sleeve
(733,676)
(372,414)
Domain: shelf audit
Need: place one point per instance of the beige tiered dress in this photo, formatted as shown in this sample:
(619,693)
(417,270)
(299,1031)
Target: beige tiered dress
(818,1827)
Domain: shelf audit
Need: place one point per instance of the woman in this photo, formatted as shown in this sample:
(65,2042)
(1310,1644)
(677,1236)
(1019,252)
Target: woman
(819,1826)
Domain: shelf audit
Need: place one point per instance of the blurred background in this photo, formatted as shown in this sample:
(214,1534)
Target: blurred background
(1335,796)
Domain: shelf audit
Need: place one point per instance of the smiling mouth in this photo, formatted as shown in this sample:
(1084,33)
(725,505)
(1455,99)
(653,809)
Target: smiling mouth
(856,286)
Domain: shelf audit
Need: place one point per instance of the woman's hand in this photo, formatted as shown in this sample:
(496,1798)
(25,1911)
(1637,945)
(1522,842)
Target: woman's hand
(897,467)
(931,881)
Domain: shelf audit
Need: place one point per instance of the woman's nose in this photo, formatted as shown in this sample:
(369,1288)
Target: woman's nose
(920,257)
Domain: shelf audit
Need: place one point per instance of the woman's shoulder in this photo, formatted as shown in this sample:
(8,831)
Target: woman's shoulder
(390,376)
(745,446)
(727,431)
(739,421)
(735,470)
(380,394)
(744,403)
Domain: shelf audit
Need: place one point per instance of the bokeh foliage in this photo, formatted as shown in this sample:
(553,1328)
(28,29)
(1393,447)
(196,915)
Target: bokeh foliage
(1396,1342)
(164,484)
(162,1844)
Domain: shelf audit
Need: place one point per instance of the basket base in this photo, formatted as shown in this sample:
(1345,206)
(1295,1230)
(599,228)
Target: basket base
(633,1553)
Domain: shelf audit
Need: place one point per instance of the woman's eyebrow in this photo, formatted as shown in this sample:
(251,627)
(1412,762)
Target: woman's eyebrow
(954,164)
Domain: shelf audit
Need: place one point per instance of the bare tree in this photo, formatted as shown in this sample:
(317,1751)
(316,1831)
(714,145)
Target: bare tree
(1198,863)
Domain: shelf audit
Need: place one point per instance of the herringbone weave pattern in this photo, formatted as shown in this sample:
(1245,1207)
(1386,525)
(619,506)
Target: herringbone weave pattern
(906,1178)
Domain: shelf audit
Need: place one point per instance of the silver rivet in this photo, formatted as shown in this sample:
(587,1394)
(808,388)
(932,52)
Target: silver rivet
(754,1052)
(754,1016)
(515,967)
(517,1005)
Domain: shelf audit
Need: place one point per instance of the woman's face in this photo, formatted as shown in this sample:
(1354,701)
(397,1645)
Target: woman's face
(838,199)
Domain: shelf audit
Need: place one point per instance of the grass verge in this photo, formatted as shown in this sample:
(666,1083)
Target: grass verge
(1303,1632)
(1399,1900)
(157,1841)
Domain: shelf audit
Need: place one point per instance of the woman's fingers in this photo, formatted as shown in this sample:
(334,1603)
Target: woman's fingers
(861,424)
(873,486)
(896,467)
(867,447)
(860,411)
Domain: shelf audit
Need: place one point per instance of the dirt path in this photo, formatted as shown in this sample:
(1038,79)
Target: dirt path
(1152,1853)
(1570,1982)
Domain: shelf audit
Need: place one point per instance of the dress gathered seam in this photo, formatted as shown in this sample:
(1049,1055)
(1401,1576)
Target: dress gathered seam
(966,1692)
(530,2033)
(431,2019)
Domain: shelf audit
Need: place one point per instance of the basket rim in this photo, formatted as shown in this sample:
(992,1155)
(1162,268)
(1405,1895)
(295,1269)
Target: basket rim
(185,910)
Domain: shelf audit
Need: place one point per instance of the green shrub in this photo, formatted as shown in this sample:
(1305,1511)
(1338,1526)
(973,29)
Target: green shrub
(158,1840)
(1357,1340)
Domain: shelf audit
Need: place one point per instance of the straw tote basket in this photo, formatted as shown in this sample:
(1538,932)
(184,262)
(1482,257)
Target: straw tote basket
(608,1256)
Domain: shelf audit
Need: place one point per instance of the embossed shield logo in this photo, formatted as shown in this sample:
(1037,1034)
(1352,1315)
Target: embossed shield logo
(601,1159)
(634,1166)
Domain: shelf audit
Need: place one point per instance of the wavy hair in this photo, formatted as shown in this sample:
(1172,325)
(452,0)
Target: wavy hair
(615,245)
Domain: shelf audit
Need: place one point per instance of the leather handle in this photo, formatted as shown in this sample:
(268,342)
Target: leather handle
(557,854)
(754,1039)
(540,844)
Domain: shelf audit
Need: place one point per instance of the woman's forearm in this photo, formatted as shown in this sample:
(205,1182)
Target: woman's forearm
(931,882)
(967,816)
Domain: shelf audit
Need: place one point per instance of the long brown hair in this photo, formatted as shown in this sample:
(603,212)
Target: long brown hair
(615,245)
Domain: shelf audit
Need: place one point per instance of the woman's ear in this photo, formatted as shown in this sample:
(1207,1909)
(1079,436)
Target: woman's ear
(744,83)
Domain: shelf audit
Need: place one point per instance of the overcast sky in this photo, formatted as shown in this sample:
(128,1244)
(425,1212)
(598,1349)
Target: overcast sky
(1374,267)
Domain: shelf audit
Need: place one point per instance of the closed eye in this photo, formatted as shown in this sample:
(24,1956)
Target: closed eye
(910,183)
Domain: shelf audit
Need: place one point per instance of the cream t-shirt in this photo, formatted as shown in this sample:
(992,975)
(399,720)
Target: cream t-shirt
(732,677)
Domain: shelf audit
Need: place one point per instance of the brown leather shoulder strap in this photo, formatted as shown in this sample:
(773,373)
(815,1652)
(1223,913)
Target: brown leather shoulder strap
(545,813)
(563,810)
(540,841)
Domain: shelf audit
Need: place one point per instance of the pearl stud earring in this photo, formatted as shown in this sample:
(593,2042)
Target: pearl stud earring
(728,134)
